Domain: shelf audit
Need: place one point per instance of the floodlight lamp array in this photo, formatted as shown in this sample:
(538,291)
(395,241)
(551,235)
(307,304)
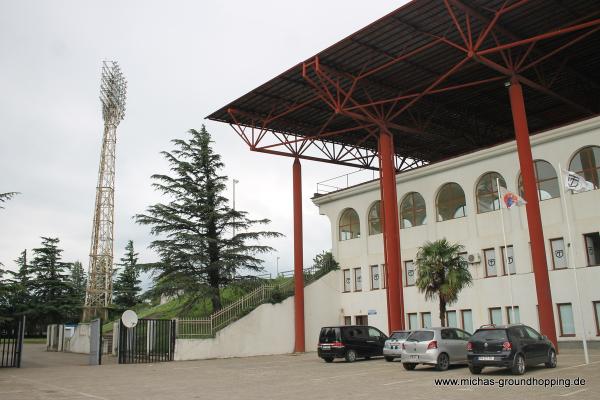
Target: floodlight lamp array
(113,92)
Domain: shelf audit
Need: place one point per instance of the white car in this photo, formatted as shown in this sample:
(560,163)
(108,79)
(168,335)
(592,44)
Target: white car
(393,346)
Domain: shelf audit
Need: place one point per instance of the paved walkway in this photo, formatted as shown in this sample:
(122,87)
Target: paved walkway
(65,376)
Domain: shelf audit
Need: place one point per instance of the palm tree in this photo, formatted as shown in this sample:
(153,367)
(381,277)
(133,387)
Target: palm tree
(442,273)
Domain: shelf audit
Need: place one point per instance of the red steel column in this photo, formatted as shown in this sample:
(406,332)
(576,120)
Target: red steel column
(534,217)
(391,232)
(298,260)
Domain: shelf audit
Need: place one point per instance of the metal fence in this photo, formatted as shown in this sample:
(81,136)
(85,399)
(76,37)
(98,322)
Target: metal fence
(11,342)
(151,340)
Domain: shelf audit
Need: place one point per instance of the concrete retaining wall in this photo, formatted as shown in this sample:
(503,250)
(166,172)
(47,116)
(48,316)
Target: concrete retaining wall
(269,329)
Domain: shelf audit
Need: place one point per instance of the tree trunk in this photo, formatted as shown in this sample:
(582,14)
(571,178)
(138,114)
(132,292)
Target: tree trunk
(443,312)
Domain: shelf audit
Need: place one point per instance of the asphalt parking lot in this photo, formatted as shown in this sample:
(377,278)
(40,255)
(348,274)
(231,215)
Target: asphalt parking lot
(65,376)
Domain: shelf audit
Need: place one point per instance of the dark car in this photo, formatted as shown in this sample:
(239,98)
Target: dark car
(510,346)
(350,342)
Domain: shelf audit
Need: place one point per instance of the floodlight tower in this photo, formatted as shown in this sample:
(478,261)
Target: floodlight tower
(98,295)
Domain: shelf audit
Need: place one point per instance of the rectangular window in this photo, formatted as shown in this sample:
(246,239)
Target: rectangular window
(409,268)
(495,315)
(347,281)
(425,320)
(559,255)
(513,316)
(361,320)
(347,320)
(491,268)
(511,259)
(592,248)
(565,317)
(597,315)
(466,317)
(375,277)
(451,319)
(412,321)
(357,279)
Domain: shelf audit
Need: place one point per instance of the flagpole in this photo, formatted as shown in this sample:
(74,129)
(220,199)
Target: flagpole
(512,303)
(571,252)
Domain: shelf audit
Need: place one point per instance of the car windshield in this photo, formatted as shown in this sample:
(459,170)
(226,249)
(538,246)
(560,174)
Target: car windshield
(399,335)
(420,336)
(490,334)
(329,335)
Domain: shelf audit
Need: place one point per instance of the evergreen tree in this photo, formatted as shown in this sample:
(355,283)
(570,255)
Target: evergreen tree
(51,290)
(4,197)
(20,295)
(78,282)
(127,286)
(200,252)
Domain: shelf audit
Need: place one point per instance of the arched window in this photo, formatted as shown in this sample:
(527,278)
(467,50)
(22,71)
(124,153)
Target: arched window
(546,181)
(587,164)
(487,192)
(412,211)
(450,202)
(375,218)
(349,225)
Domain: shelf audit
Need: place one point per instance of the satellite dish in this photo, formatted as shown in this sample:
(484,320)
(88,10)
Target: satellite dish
(129,319)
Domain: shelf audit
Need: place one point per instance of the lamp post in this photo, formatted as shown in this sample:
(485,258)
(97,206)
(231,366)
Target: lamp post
(277,267)
(234,183)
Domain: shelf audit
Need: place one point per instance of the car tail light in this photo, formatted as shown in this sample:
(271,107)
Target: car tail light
(337,344)
(469,346)
(506,346)
(432,345)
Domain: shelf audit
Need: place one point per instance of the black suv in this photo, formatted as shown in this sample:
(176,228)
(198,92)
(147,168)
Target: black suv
(511,346)
(350,342)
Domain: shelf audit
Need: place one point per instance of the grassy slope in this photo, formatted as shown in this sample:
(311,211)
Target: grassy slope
(175,307)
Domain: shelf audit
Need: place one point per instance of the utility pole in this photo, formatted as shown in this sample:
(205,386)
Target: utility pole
(235,181)
(98,294)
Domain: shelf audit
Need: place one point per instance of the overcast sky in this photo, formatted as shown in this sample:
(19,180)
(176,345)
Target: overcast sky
(182,60)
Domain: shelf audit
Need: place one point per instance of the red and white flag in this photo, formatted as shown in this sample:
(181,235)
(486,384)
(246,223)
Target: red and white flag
(511,199)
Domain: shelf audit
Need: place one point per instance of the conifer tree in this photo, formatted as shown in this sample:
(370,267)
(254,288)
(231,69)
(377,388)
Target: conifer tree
(127,286)
(195,228)
(51,290)
(20,295)
(4,197)
(78,282)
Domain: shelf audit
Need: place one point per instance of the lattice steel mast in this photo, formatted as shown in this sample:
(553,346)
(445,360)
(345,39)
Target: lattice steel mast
(98,294)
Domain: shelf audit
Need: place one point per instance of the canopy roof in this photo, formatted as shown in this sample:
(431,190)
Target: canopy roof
(434,73)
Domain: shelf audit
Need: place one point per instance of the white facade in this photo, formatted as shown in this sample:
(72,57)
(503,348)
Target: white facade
(479,231)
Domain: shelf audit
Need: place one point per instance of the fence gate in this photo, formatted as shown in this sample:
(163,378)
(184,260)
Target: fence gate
(11,342)
(151,340)
(96,342)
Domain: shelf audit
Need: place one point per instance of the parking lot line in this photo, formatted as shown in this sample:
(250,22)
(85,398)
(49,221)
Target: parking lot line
(398,382)
(572,393)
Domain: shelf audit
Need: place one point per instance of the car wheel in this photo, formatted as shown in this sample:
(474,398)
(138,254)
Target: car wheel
(475,370)
(328,359)
(351,356)
(409,366)
(443,362)
(518,367)
(551,363)
(389,359)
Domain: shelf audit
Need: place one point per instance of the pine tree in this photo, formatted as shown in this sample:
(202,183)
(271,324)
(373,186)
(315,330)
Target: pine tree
(4,197)
(20,295)
(127,286)
(51,290)
(199,252)
(78,282)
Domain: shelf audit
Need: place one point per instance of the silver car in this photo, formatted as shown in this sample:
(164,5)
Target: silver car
(393,346)
(435,346)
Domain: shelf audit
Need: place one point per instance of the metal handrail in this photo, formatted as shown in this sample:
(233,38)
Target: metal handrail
(190,328)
